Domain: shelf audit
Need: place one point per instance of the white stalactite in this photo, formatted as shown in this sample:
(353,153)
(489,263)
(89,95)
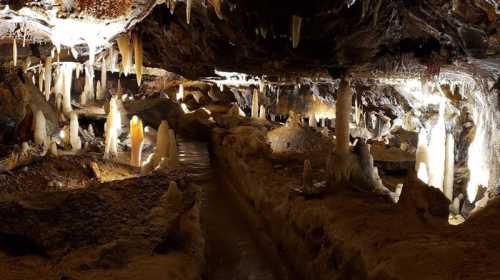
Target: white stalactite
(296,27)
(137,140)
(437,151)
(78,70)
(48,77)
(104,76)
(67,72)
(449,171)
(40,131)
(112,129)
(255,104)
(74,139)
(343,113)
(180,93)
(138,56)
(189,4)
(14,52)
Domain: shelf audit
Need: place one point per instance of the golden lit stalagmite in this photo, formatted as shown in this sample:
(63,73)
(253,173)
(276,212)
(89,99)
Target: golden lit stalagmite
(162,148)
(138,56)
(344,105)
(137,140)
(262,112)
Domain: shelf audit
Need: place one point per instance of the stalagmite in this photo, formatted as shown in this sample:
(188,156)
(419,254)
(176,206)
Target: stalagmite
(255,104)
(262,112)
(189,4)
(53,149)
(449,167)
(104,76)
(48,77)
(137,140)
(296,26)
(99,91)
(437,151)
(112,129)
(343,112)
(173,160)
(67,72)
(180,92)
(40,131)
(422,157)
(14,52)
(123,43)
(312,121)
(162,148)
(74,139)
(78,70)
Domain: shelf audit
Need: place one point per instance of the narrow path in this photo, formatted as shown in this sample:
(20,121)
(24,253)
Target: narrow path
(235,248)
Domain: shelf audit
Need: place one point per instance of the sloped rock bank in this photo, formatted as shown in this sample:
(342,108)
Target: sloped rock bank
(140,228)
(354,235)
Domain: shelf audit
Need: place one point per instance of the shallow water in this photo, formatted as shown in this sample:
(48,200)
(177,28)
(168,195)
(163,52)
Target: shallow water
(232,249)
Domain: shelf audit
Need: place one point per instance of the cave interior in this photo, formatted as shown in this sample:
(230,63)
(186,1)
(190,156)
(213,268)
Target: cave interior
(249,139)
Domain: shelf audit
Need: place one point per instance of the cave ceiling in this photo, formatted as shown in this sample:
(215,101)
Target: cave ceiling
(255,36)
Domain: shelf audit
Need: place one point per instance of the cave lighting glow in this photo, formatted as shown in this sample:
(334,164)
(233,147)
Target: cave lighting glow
(477,161)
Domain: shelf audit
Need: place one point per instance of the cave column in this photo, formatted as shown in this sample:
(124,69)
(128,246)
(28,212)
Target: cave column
(343,106)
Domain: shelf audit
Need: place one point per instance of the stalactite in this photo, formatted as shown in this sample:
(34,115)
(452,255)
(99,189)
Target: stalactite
(189,4)
(437,151)
(172,6)
(67,70)
(123,43)
(255,104)
(449,171)
(14,52)
(89,83)
(78,70)
(137,140)
(104,76)
(40,80)
(74,139)
(112,129)
(296,27)
(217,8)
(138,56)
(343,112)
(262,112)
(48,77)
(312,121)
(180,92)
(40,131)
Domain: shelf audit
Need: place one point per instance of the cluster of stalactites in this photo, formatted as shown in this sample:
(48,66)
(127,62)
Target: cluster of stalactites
(131,46)
(296,27)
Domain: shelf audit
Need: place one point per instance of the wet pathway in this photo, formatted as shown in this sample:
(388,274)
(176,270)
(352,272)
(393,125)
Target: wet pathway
(235,249)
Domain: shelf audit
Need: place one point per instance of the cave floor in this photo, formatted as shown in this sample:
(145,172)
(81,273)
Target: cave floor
(236,245)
